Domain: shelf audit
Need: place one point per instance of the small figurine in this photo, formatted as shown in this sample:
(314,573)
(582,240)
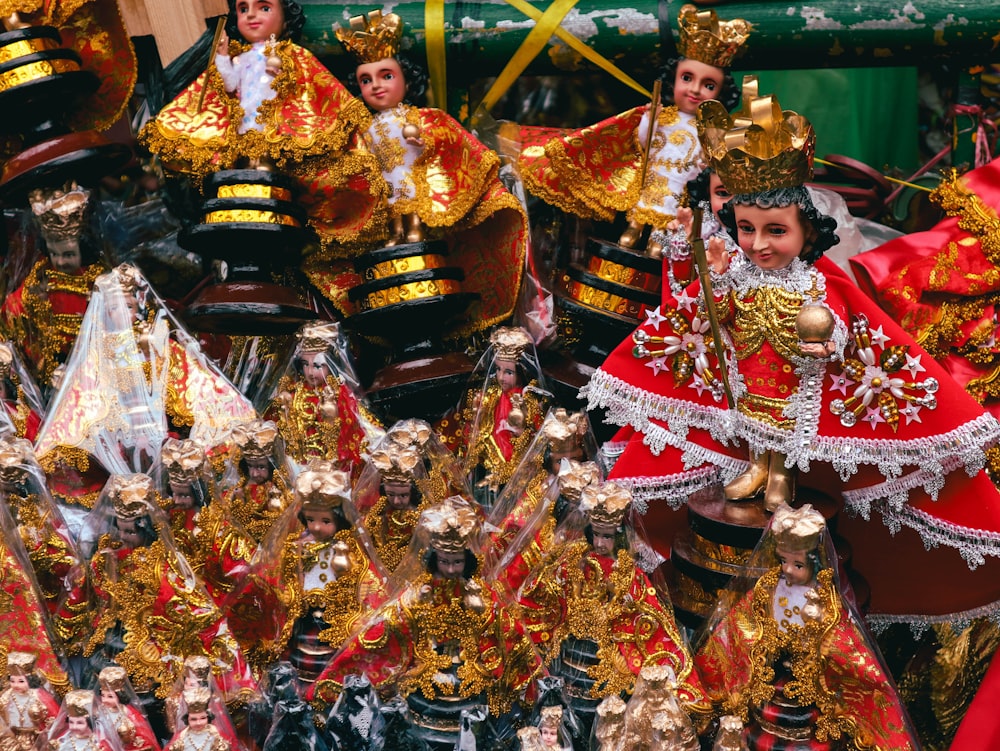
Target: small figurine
(609,723)
(618,165)
(790,656)
(550,730)
(74,729)
(261,487)
(393,518)
(119,707)
(200,732)
(654,718)
(27,710)
(269,103)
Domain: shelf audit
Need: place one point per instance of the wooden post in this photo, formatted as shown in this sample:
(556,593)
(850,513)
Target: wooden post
(176,25)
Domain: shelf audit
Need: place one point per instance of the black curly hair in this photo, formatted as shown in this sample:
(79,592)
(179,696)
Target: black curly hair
(414,75)
(729,95)
(825,227)
(295,21)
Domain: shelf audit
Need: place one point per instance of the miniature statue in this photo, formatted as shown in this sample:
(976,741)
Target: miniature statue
(446,642)
(261,487)
(268,103)
(119,707)
(606,168)
(19,394)
(654,719)
(609,723)
(200,732)
(28,710)
(393,518)
(790,656)
(75,729)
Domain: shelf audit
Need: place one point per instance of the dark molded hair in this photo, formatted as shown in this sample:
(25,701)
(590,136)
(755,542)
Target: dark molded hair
(698,188)
(729,95)
(471,563)
(825,226)
(415,494)
(413,73)
(295,21)
(143,524)
(338,517)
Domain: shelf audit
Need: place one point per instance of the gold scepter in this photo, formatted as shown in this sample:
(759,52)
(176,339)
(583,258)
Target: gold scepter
(653,113)
(698,248)
(220,26)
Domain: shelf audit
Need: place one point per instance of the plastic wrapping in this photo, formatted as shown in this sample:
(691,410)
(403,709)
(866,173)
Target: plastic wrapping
(120,711)
(20,394)
(205,724)
(78,726)
(553,714)
(292,727)
(354,721)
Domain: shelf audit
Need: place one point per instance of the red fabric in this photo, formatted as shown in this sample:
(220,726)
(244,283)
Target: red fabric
(980,728)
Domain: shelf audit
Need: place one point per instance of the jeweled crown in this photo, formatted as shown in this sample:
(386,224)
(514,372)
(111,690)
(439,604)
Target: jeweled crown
(130,495)
(6,359)
(316,337)
(61,213)
(451,524)
(79,703)
(112,678)
(396,464)
(797,529)
(322,485)
(551,717)
(410,432)
(184,459)
(15,455)
(564,429)
(606,503)
(371,37)
(509,343)
(199,666)
(21,663)
(255,439)
(759,147)
(574,476)
(705,38)
(197,699)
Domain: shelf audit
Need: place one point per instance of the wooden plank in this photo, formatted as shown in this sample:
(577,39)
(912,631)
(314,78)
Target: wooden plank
(135,17)
(176,24)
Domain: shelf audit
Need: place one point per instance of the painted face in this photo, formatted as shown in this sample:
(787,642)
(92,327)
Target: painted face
(258,471)
(397,494)
(507,375)
(182,494)
(109,698)
(65,256)
(574,452)
(78,726)
(795,566)
(258,20)
(314,368)
(771,238)
(604,539)
(321,523)
(550,737)
(382,84)
(129,533)
(19,683)
(696,82)
(197,721)
(450,565)
(717,193)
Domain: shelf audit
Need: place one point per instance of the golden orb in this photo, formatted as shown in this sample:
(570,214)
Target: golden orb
(814,324)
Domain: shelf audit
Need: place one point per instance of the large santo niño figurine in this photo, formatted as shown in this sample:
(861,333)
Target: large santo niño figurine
(618,165)
(267,102)
(789,655)
(446,642)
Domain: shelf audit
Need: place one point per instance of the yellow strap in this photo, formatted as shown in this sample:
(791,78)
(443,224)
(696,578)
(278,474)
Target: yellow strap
(547,24)
(436,63)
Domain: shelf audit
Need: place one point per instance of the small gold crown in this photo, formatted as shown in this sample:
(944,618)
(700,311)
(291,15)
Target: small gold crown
(199,666)
(372,36)
(798,529)
(605,503)
(15,456)
(758,147)
(612,708)
(112,678)
(322,485)
(79,703)
(564,430)
(451,524)
(21,663)
(410,432)
(61,213)
(129,278)
(6,359)
(130,495)
(708,40)
(551,717)
(509,343)
(255,439)
(184,459)
(396,464)
(197,699)
(317,337)
(576,476)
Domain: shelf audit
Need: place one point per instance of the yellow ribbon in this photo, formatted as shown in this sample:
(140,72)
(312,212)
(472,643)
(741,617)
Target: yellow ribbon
(436,63)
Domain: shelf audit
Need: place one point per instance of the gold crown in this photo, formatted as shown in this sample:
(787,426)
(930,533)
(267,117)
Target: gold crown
(112,678)
(758,147)
(798,529)
(372,36)
(451,524)
(396,464)
(551,717)
(79,703)
(255,439)
(708,40)
(21,663)
(129,278)
(317,337)
(322,485)
(61,213)
(576,476)
(6,359)
(197,699)
(564,430)
(184,459)
(509,343)
(605,503)
(530,739)
(130,495)
(15,454)
(410,432)
(199,666)
(612,709)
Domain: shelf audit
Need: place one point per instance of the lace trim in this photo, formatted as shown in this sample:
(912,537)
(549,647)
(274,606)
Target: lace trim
(744,277)
(674,489)
(919,623)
